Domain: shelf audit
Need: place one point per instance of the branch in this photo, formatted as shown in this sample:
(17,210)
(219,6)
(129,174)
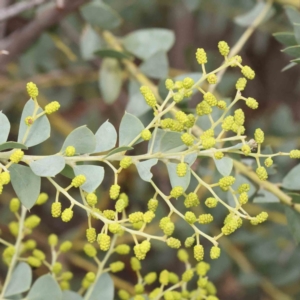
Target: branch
(19,41)
(16,9)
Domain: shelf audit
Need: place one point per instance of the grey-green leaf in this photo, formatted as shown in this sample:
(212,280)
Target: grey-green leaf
(5,127)
(39,130)
(224,165)
(171,142)
(144,168)
(20,281)
(293,220)
(103,288)
(291,180)
(144,43)
(94,176)
(70,295)
(136,104)
(118,150)
(130,128)
(45,288)
(156,66)
(293,14)
(90,42)
(26,184)
(82,138)
(112,54)
(264,196)
(110,79)
(106,137)
(286,38)
(156,139)
(12,145)
(48,166)
(247,18)
(175,179)
(292,50)
(99,14)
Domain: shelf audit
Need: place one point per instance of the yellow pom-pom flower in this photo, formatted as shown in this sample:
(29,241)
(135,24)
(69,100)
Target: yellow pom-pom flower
(241,84)
(223,48)
(70,151)
(114,191)
(125,162)
(201,56)
(146,134)
(51,107)
(90,250)
(252,103)
(248,72)
(32,90)
(198,252)
(91,235)
(103,241)
(42,198)
(212,78)
(295,154)
(78,181)
(262,173)
(14,205)
(259,136)
(173,243)
(56,209)
(16,156)
(181,169)
(67,215)
(117,266)
(215,252)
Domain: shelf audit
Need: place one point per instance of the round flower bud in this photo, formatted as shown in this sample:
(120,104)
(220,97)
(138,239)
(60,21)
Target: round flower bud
(173,278)
(116,266)
(218,155)
(248,72)
(109,214)
(239,117)
(123,295)
(222,104)
(173,243)
(210,99)
(34,262)
(241,84)
(120,205)
(91,235)
(223,48)
(125,162)
(14,205)
(187,275)
(176,192)
(90,250)
(152,204)
(148,216)
(103,241)
(135,264)
(115,228)
(42,198)
(188,82)
(169,228)
(190,217)
(122,249)
(187,139)
(201,56)
(51,107)
(169,83)
(150,278)
(114,191)
(52,240)
(14,228)
(259,136)
(164,277)
(4,178)
(67,275)
(211,202)
(198,252)
(39,254)
(189,242)
(262,173)
(16,156)
(64,285)
(295,154)
(268,162)
(183,255)
(67,215)
(30,244)
(215,252)
(205,218)
(32,90)
(78,181)
(136,217)
(139,289)
(191,200)
(56,209)
(226,182)
(202,268)
(57,267)
(245,187)
(32,222)
(146,134)
(70,151)
(91,199)
(65,246)
(237,59)
(212,78)
(202,282)
(252,103)
(243,199)
(246,149)
(181,169)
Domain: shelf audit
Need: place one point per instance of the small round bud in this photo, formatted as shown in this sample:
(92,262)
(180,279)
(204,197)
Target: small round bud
(205,218)
(268,162)
(52,240)
(173,243)
(114,191)
(51,107)
(70,151)
(116,266)
(146,134)
(91,235)
(65,246)
(56,209)
(188,82)
(16,156)
(152,204)
(259,136)
(248,72)
(215,252)
(223,48)
(201,56)
(252,103)
(32,222)
(122,249)
(150,278)
(198,252)
(14,205)
(187,275)
(67,215)
(90,250)
(39,254)
(241,84)
(135,264)
(164,277)
(125,162)
(211,202)
(176,192)
(212,78)
(42,198)
(187,139)
(78,181)
(262,173)
(34,262)
(183,255)
(57,267)
(295,154)
(169,84)
(181,169)
(123,295)
(32,90)
(103,241)
(190,217)
(91,199)
(218,155)
(189,242)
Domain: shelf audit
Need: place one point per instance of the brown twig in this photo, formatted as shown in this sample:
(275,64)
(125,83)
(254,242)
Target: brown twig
(20,40)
